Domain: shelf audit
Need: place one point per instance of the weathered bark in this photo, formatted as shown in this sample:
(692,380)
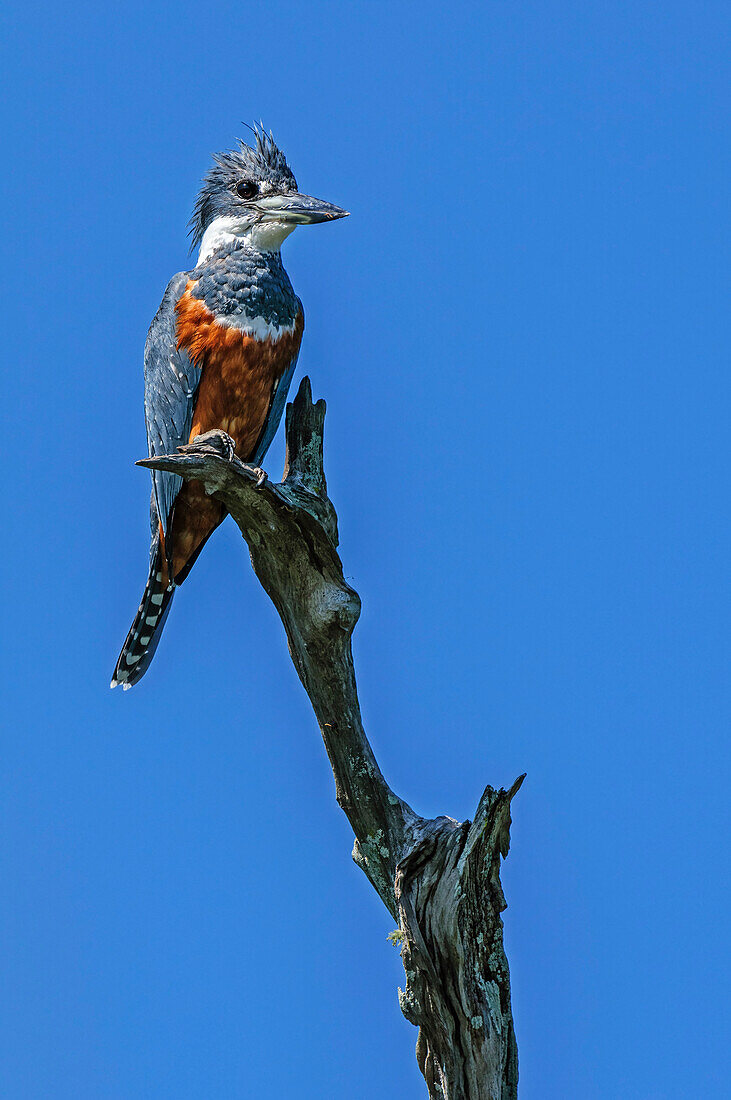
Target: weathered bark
(440,879)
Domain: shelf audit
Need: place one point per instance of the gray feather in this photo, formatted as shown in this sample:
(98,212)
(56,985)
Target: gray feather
(171,385)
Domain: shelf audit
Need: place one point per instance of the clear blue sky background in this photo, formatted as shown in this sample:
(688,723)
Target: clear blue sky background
(522,335)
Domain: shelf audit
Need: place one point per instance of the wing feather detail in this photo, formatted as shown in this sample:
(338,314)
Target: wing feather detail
(171,385)
(276,408)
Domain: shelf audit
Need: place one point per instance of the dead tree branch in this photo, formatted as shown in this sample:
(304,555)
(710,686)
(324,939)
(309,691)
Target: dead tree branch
(440,879)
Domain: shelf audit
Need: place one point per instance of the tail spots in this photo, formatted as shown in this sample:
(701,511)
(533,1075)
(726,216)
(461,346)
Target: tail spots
(144,634)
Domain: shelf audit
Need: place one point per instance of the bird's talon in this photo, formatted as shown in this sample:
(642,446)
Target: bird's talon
(216,441)
(256,472)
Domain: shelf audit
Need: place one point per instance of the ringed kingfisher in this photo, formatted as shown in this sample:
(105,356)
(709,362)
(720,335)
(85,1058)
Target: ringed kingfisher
(220,353)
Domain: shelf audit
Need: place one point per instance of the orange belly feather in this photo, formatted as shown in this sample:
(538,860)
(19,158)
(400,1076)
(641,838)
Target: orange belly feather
(238,377)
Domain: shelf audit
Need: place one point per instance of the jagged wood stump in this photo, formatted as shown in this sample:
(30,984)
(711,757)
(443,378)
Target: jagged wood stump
(439,879)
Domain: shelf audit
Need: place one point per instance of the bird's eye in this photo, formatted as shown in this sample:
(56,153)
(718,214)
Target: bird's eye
(246,189)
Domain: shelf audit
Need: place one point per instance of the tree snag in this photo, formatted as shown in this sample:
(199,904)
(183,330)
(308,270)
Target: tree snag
(440,878)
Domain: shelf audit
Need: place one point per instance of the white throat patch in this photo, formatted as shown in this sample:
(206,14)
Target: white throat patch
(266,236)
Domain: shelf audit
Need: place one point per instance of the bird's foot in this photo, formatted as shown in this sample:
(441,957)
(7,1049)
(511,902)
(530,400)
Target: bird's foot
(213,442)
(221,444)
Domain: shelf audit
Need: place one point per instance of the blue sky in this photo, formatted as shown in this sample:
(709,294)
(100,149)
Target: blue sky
(522,336)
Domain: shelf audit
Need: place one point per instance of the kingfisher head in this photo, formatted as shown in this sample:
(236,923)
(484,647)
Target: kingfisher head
(250,194)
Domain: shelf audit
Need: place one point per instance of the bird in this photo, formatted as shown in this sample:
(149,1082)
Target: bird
(220,354)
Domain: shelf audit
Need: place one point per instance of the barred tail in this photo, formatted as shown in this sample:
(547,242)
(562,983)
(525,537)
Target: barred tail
(144,634)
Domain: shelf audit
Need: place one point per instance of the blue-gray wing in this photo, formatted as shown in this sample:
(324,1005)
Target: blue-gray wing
(279,400)
(171,385)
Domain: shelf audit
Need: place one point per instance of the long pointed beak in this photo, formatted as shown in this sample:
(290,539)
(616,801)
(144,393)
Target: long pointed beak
(299,209)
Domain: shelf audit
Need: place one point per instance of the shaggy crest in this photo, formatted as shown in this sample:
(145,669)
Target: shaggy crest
(264,162)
